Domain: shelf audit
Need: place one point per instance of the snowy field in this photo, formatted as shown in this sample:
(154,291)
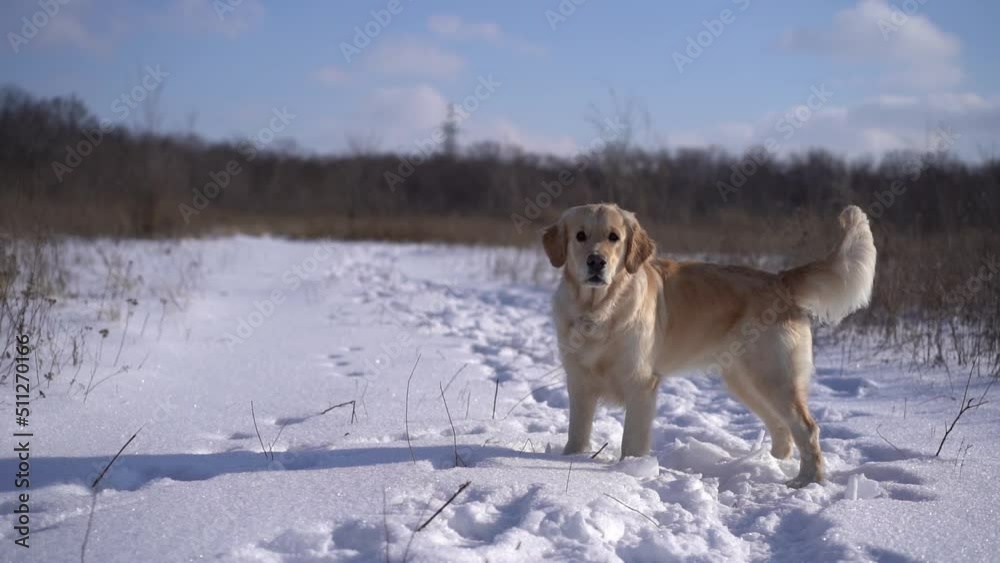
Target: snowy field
(299,327)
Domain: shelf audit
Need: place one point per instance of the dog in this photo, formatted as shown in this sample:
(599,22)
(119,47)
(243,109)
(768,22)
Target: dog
(626,319)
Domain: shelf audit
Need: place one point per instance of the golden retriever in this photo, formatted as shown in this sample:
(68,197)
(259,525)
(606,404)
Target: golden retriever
(625,319)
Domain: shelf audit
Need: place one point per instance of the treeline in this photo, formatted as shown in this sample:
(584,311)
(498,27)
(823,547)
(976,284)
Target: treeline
(937,289)
(88,177)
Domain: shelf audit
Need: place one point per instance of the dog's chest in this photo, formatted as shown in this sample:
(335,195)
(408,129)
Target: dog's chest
(599,347)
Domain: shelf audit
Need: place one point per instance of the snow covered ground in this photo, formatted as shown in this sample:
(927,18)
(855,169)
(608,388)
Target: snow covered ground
(299,327)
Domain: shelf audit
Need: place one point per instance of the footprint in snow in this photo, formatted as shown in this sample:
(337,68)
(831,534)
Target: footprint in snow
(848,386)
(875,480)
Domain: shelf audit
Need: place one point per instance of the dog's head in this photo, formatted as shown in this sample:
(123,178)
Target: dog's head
(597,242)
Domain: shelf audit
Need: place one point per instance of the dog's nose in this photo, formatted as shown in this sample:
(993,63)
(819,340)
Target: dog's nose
(596,262)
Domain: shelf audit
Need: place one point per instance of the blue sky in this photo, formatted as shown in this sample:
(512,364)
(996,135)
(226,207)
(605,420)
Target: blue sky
(894,73)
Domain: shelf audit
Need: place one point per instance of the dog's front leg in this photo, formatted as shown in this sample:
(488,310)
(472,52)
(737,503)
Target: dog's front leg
(582,404)
(640,408)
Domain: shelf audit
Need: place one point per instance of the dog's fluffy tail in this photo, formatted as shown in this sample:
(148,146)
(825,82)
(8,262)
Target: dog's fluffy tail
(832,288)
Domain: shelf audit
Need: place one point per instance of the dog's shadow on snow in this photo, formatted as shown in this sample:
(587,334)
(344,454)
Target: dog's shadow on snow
(132,472)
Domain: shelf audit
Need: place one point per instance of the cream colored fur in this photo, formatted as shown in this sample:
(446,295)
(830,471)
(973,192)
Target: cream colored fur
(642,319)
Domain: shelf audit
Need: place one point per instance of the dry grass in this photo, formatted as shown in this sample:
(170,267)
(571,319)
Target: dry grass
(32,278)
(922,301)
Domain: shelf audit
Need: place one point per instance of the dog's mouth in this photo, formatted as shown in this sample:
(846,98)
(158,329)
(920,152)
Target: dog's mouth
(595,280)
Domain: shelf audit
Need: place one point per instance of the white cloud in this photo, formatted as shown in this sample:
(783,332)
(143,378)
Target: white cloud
(871,127)
(957,102)
(504,131)
(406,119)
(892,100)
(880,141)
(98,26)
(81,24)
(231,19)
(918,53)
(411,56)
(68,29)
(403,116)
(331,75)
(455,27)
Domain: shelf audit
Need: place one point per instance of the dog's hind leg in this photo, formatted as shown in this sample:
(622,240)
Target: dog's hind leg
(739,382)
(787,397)
(793,409)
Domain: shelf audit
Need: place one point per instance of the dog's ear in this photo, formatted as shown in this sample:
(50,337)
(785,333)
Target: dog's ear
(554,241)
(640,247)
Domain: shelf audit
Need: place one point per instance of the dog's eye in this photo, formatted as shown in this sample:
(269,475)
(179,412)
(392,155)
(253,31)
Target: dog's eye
(581,236)
(613,237)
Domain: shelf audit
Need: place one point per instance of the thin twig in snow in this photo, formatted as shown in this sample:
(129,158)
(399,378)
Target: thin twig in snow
(445,505)
(530,393)
(143,362)
(385,524)
(454,435)
(413,534)
(344,404)
(97,362)
(964,455)
(128,317)
(121,370)
(361,400)
(142,331)
(646,516)
(90,525)
(406,412)
(273,442)
(886,439)
(452,380)
(163,315)
(598,452)
(496,391)
(263,450)
(114,459)
(967,405)
(542,378)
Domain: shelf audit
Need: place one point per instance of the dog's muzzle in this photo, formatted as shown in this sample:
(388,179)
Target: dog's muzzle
(596,265)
